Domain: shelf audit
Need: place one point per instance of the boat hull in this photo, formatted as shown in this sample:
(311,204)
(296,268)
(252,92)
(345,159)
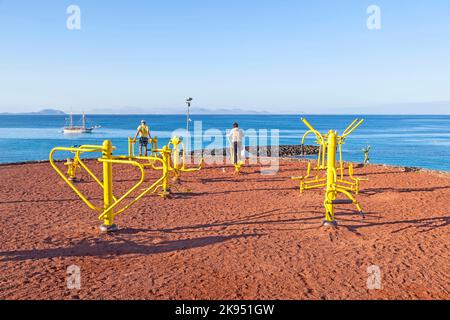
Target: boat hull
(77,130)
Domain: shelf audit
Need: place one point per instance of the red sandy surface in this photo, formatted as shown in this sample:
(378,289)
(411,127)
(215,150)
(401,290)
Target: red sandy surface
(233,237)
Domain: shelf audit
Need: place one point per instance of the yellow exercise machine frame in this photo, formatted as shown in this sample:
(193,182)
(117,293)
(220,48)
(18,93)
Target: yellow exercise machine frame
(175,146)
(110,202)
(334,181)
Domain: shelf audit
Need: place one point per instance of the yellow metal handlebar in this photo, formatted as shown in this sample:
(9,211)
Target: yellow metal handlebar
(352,127)
(137,185)
(319,138)
(311,128)
(348,128)
(146,191)
(93,176)
(63,176)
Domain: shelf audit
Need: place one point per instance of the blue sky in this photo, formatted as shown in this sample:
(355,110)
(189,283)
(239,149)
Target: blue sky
(280,56)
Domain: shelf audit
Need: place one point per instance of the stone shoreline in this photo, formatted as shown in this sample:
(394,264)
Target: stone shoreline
(285,152)
(266,151)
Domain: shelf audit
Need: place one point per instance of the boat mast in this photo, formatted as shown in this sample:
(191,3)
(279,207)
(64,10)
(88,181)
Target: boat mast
(71,120)
(84,121)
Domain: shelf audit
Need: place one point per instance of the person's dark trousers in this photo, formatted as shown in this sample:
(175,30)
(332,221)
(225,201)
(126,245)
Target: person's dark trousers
(235,152)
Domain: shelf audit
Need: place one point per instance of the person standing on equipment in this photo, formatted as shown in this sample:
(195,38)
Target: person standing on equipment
(236,137)
(144,135)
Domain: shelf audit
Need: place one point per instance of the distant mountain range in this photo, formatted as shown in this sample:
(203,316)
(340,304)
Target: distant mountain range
(45,112)
(225,111)
(423,108)
(128,110)
(194,110)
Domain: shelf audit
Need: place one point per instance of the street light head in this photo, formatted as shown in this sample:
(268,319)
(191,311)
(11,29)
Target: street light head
(189,101)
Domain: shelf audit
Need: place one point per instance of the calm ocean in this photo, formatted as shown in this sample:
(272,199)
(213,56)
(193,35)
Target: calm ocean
(422,141)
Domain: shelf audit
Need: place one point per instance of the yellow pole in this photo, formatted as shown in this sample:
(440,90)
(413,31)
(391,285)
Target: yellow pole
(323,154)
(155,143)
(330,195)
(166,154)
(176,155)
(183,157)
(108,220)
(130,148)
(341,162)
(319,159)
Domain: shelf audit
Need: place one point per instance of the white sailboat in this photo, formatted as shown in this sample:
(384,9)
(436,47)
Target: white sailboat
(71,128)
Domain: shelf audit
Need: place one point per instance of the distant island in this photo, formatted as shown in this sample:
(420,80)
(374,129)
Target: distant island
(224,111)
(45,112)
(177,111)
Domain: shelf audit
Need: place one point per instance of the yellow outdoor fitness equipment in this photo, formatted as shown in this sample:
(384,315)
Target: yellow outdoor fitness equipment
(175,147)
(175,164)
(179,164)
(72,168)
(110,210)
(334,180)
(132,147)
(239,164)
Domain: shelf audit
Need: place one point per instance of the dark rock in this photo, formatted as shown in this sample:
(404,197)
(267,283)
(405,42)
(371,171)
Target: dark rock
(411,169)
(267,151)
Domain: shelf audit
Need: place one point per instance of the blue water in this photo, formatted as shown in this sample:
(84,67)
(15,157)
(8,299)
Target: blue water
(422,141)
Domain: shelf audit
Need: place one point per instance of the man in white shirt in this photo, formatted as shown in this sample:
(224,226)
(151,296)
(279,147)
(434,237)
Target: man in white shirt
(236,137)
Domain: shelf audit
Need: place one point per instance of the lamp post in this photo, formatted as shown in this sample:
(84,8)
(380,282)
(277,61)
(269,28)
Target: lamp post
(188,119)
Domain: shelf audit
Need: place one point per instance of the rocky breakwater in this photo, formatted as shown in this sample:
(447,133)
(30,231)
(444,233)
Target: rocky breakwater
(269,151)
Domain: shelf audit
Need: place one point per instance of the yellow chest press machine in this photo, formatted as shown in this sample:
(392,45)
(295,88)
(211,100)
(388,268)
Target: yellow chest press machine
(330,175)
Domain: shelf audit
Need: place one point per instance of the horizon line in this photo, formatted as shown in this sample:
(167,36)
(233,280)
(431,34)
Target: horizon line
(226,114)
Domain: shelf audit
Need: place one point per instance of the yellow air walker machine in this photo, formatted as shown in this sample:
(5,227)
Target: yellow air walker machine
(166,160)
(109,210)
(328,174)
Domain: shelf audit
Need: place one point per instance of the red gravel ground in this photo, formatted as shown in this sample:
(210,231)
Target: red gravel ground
(233,237)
